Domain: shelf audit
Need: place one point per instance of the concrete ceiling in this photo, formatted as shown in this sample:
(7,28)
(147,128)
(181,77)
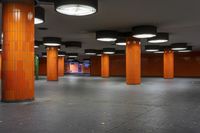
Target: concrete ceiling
(178,17)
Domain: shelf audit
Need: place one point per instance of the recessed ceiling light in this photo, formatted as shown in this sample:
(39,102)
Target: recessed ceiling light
(90,51)
(108,50)
(106,36)
(152,48)
(39,15)
(188,49)
(76,7)
(160,38)
(179,46)
(52,41)
(144,31)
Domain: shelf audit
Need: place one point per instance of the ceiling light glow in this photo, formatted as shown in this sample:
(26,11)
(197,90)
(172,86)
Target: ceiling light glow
(76,7)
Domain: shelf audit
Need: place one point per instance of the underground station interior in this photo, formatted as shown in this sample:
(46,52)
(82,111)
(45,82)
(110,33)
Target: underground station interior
(99,66)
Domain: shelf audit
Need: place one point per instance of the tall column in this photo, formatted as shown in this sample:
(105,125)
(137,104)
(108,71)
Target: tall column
(52,63)
(0,65)
(61,66)
(105,72)
(133,62)
(18,51)
(168,65)
(36,67)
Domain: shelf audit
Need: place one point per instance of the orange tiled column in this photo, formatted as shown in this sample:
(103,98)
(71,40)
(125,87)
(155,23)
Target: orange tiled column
(18,51)
(52,63)
(0,65)
(168,66)
(61,66)
(105,72)
(133,62)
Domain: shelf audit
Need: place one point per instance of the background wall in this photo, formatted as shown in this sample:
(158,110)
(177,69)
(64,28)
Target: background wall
(152,65)
(186,65)
(95,68)
(117,65)
(43,66)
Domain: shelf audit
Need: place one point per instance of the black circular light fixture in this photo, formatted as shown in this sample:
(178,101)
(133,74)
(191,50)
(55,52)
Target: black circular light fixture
(72,44)
(70,59)
(44,54)
(159,38)
(121,41)
(72,55)
(52,41)
(179,46)
(61,53)
(90,51)
(152,48)
(76,7)
(39,15)
(120,52)
(59,48)
(106,36)
(99,52)
(161,50)
(144,31)
(108,50)
(122,37)
(188,49)
(37,44)
(0,48)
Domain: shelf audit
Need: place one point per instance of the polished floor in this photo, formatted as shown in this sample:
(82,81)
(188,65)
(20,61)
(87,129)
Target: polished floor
(81,104)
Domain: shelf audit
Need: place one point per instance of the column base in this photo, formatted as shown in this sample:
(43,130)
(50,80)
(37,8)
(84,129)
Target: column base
(168,78)
(17,101)
(52,80)
(133,83)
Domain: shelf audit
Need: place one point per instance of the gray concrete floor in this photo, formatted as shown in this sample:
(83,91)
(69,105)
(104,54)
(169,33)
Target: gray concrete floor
(95,105)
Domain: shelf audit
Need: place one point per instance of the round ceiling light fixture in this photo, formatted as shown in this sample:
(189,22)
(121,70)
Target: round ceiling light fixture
(76,7)
(179,46)
(90,51)
(122,37)
(61,54)
(39,15)
(72,55)
(152,48)
(188,49)
(44,54)
(108,50)
(159,38)
(144,31)
(106,36)
(160,51)
(0,48)
(52,41)
(70,59)
(99,52)
(72,44)
(120,52)
(37,44)
(121,41)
